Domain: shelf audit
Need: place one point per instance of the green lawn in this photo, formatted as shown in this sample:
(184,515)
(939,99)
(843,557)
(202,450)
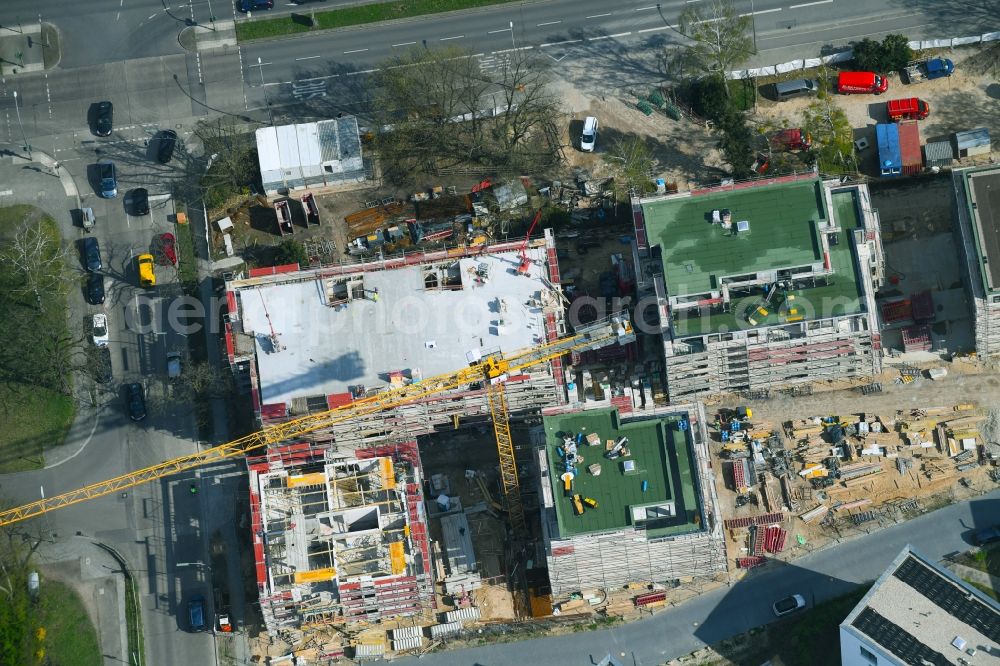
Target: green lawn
(37,419)
(38,355)
(70,638)
(348,16)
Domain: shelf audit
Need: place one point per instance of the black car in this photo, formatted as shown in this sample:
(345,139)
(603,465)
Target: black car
(165,142)
(253,5)
(137,201)
(988,536)
(103,118)
(136,401)
(102,365)
(95,289)
(92,255)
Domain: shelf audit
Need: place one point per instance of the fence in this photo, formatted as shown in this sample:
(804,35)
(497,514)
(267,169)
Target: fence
(843,56)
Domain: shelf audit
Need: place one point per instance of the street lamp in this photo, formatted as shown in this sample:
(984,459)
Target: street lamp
(260,68)
(211,14)
(512,44)
(17,109)
(753,23)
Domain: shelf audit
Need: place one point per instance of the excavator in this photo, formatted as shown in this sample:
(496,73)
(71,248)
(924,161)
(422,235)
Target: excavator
(490,370)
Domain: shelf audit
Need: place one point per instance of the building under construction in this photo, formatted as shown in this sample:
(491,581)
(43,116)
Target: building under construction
(762,284)
(977,193)
(627,498)
(339,538)
(306,341)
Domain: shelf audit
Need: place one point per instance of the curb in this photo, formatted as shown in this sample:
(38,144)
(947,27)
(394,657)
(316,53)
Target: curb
(388,22)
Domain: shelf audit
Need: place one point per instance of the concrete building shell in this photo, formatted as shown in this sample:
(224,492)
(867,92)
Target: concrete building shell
(613,557)
(339,539)
(299,369)
(977,196)
(819,239)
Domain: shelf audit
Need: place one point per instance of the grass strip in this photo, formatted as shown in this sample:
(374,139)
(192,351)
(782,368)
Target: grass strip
(348,16)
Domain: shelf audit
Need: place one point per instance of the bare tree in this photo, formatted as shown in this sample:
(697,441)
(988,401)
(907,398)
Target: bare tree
(720,38)
(438,110)
(631,163)
(232,155)
(36,257)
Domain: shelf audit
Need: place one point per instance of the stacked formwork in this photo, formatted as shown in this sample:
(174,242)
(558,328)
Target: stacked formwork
(615,558)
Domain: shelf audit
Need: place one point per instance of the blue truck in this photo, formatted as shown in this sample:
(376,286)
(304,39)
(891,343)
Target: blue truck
(925,70)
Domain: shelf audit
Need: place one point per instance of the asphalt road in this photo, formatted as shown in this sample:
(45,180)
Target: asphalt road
(157,527)
(726,612)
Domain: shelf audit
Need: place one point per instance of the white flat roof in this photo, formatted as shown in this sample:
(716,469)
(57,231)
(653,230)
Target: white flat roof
(327,350)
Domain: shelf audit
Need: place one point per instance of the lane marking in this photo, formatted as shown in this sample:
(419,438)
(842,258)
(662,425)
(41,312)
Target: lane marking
(405,44)
(598,15)
(445,39)
(355,51)
(644,9)
(6,193)
(763,11)
(493,32)
(662,27)
(309,58)
(811,4)
(554,22)
(621,34)
(568,41)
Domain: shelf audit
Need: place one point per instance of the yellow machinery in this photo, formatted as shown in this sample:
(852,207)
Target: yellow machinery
(492,370)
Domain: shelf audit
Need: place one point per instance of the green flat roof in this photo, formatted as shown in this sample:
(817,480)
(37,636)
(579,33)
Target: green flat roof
(663,458)
(783,233)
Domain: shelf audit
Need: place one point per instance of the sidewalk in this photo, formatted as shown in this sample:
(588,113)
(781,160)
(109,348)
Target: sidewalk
(975,575)
(95,576)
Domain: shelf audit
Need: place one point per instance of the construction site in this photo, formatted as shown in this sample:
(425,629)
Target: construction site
(789,486)
(578,476)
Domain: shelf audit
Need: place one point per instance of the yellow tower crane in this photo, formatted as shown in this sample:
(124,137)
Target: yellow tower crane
(492,370)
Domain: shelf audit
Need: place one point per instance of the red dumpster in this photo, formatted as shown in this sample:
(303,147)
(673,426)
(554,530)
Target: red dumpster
(909,148)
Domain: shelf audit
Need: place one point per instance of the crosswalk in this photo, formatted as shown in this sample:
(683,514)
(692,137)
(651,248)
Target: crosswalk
(494,62)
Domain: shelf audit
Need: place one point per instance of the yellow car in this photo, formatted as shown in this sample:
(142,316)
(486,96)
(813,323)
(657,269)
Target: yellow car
(147,278)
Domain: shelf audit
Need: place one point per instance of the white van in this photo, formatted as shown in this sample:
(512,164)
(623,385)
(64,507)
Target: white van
(589,136)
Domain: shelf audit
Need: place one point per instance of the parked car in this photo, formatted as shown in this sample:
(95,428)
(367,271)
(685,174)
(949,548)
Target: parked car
(254,5)
(136,401)
(196,613)
(165,248)
(926,70)
(109,179)
(988,536)
(789,605)
(797,88)
(92,254)
(95,289)
(793,140)
(147,276)
(103,118)
(854,83)
(102,365)
(137,201)
(589,135)
(99,328)
(165,142)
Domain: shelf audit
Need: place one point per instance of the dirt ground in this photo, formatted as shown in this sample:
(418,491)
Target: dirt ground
(965,383)
(966,100)
(684,151)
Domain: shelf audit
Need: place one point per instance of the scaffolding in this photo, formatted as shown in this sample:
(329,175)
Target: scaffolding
(614,558)
(339,538)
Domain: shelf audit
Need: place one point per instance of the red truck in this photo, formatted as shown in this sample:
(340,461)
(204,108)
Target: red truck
(854,83)
(910,108)
(791,140)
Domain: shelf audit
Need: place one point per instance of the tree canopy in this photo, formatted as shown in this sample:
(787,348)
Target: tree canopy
(720,39)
